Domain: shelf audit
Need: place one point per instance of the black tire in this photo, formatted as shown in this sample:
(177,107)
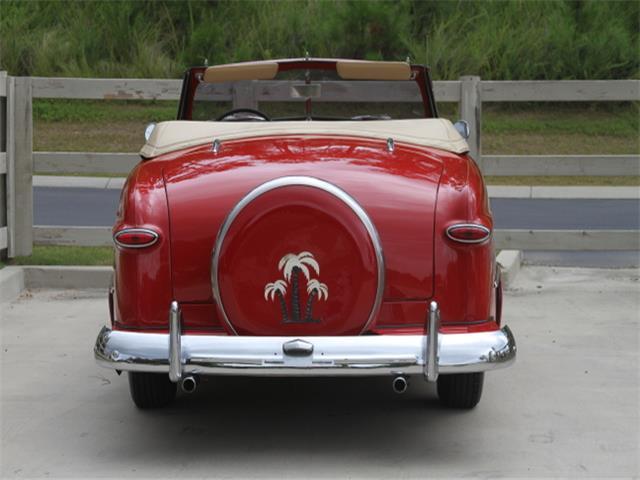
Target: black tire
(151,390)
(460,390)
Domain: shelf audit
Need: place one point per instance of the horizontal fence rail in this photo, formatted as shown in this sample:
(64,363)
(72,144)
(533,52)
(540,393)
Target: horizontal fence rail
(504,239)
(85,162)
(576,240)
(106,88)
(561,165)
(496,165)
(155,89)
(560,90)
(445,91)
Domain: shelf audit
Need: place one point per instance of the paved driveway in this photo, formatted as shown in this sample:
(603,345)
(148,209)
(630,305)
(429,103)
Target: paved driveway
(569,407)
(97,207)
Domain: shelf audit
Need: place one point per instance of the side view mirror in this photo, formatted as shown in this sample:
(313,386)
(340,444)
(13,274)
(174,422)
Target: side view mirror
(148,131)
(463,128)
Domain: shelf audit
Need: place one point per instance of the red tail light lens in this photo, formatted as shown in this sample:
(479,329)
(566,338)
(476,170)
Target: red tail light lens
(468,233)
(135,238)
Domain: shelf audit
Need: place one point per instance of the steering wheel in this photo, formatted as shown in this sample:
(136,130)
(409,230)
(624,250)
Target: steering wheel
(243,110)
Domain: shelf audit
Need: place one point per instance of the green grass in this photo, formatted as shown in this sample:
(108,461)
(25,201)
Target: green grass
(46,110)
(118,126)
(54,255)
(628,181)
(498,40)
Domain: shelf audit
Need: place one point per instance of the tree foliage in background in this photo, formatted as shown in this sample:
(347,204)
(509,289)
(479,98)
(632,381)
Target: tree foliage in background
(514,39)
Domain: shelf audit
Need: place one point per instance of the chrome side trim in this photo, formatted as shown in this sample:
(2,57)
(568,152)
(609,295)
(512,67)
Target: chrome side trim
(473,225)
(149,130)
(215,148)
(431,366)
(175,347)
(360,355)
(136,230)
(307,182)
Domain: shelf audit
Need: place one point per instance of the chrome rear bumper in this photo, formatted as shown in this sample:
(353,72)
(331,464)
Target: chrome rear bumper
(363,355)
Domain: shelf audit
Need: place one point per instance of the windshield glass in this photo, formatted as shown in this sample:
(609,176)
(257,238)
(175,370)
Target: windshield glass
(308,94)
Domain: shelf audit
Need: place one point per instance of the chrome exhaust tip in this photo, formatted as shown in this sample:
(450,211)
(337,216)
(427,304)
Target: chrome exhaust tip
(400,385)
(189,384)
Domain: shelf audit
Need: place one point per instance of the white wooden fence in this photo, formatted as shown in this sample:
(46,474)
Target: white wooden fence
(18,161)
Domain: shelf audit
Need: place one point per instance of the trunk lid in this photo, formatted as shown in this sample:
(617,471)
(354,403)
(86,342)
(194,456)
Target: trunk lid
(298,255)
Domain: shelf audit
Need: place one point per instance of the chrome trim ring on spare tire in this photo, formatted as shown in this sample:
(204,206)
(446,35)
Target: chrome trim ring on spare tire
(305,182)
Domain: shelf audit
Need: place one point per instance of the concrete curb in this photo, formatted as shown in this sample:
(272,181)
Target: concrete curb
(13,280)
(510,262)
(67,277)
(11,283)
(563,192)
(495,191)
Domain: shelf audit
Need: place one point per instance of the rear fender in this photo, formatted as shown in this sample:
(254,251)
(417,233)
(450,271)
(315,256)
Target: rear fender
(464,273)
(143,275)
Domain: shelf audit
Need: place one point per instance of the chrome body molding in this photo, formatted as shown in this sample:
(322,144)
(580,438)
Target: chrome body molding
(362,355)
(307,182)
(149,130)
(391,146)
(215,147)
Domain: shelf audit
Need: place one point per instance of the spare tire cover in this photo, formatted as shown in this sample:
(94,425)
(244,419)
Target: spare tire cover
(298,256)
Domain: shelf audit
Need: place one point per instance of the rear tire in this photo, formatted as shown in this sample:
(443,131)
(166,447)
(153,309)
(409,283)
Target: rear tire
(460,390)
(151,390)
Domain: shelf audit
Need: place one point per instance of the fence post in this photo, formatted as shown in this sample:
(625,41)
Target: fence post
(244,95)
(19,166)
(3,166)
(471,111)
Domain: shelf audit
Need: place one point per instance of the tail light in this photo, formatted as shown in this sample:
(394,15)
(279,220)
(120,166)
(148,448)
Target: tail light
(468,233)
(135,238)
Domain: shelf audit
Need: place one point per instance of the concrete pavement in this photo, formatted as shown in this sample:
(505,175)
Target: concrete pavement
(569,406)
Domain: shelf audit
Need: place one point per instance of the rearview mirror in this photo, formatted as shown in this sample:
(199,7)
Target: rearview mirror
(463,128)
(306,90)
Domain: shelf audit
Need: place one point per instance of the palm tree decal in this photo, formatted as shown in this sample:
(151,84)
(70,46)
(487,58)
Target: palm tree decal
(292,265)
(279,289)
(314,288)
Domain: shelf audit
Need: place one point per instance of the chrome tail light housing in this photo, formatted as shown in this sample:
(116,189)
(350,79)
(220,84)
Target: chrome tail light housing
(471,233)
(135,238)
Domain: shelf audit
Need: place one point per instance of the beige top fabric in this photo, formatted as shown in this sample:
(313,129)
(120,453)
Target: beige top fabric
(429,132)
(346,69)
(241,71)
(362,70)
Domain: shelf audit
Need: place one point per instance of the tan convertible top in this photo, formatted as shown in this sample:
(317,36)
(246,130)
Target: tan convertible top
(429,132)
(347,70)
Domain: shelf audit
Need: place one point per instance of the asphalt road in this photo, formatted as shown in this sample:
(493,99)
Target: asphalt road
(96,207)
(567,408)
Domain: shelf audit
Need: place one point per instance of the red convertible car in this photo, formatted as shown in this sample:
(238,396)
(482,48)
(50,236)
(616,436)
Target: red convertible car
(305,217)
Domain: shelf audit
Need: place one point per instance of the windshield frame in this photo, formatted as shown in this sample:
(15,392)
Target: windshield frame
(194,75)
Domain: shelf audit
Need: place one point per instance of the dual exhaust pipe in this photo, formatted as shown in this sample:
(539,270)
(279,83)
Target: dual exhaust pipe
(399,384)
(189,384)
